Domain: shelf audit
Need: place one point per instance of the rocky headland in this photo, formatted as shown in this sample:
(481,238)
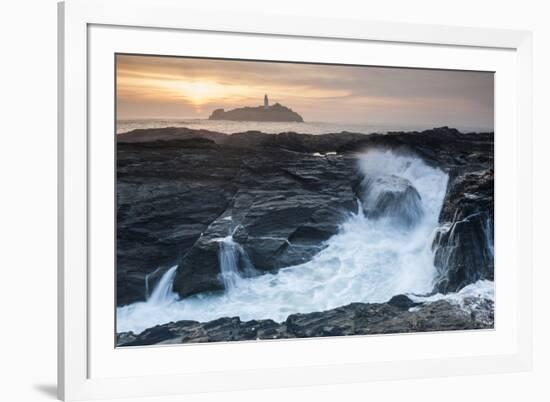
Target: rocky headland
(282,196)
(276,112)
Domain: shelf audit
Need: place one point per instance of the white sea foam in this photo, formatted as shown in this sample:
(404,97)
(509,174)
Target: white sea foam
(369,260)
(163,293)
(469,298)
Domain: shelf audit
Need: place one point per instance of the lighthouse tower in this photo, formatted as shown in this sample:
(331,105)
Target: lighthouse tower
(266,102)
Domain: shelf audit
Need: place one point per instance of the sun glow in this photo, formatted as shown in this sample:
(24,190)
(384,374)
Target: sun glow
(203,90)
(151,86)
(195,92)
(199,92)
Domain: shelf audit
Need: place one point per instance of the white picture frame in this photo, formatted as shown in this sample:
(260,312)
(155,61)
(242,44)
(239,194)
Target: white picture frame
(91,368)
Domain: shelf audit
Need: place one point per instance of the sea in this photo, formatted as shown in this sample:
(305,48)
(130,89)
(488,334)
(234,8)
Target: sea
(230,127)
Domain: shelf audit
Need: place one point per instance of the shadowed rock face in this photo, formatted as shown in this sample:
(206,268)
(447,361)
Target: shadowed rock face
(180,190)
(165,199)
(394,198)
(281,211)
(184,195)
(464,249)
(353,319)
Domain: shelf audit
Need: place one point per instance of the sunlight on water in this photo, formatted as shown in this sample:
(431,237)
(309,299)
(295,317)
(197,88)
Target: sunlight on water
(230,127)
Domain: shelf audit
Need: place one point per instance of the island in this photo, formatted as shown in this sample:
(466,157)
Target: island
(276,112)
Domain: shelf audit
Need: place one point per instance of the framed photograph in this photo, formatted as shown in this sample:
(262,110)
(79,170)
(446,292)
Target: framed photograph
(255,201)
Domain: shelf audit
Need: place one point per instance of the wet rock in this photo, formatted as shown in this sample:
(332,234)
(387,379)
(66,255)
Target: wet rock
(334,322)
(464,245)
(282,196)
(304,143)
(165,199)
(402,301)
(125,338)
(393,198)
(156,137)
(220,330)
(177,200)
(282,211)
(353,319)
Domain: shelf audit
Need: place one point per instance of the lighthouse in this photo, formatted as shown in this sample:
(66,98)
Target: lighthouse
(266,102)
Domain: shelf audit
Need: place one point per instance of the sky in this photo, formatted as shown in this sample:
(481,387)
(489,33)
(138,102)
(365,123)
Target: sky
(179,87)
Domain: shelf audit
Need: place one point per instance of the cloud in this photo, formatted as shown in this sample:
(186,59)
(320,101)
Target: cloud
(191,87)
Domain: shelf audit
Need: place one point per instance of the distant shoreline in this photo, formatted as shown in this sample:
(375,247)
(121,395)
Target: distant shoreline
(229,127)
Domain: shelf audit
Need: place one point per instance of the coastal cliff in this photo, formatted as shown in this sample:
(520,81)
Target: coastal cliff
(281,196)
(276,113)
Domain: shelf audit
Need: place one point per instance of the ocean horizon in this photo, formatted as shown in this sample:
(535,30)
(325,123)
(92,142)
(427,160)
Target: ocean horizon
(316,128)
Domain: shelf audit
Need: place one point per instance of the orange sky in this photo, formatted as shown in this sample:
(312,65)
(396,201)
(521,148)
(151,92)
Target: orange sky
(175,87)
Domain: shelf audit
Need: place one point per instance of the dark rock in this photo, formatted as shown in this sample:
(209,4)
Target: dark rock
(305,143)
(402,301)
(175,201)
(125,338)
(151,135)
(464,247)
(180,190)
(220,330)
(165,199)
(353,319)
(180,332)
(393,198)
(283,209)
(334,322)
(441,147)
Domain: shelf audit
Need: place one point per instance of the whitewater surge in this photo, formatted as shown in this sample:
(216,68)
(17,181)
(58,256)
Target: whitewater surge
(374,256)
(482,289)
